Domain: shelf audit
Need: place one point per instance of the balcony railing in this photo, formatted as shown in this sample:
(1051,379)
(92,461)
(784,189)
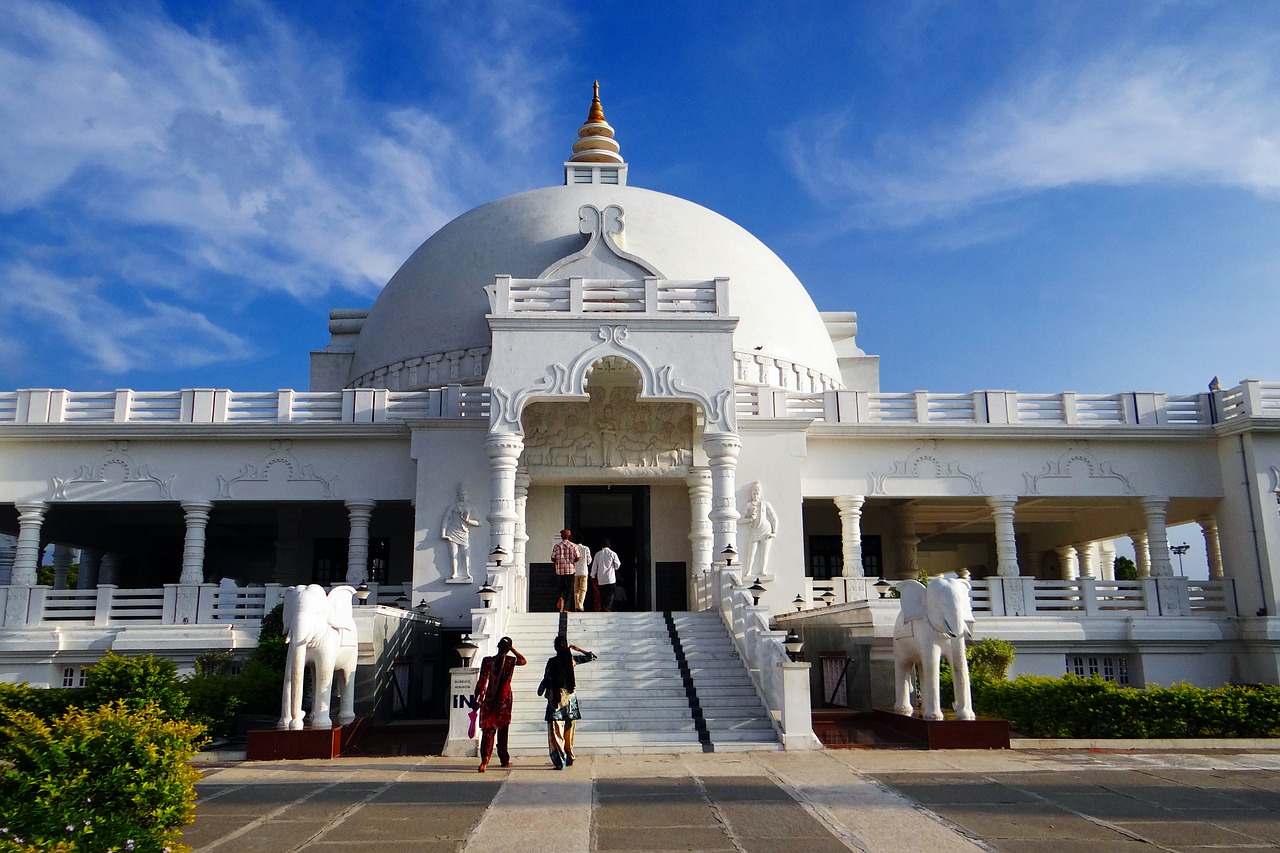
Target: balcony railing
(174,604)
(221,406)
(1252,399)
(650,296)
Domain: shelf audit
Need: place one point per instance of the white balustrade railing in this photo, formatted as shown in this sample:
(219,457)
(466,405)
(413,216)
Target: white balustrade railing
(1133,408)
(220,406)
(646,296)
(782,684)
(374,405)
(1083,597)
(172,604)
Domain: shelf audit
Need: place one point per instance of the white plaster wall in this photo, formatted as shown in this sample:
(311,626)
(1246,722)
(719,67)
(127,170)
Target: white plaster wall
(544,519)
(374,466)
(1000,465)
(1249,519)
(446,458)
(772,454)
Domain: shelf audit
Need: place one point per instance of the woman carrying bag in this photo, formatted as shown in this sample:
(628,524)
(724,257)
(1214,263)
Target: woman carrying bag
(558,685)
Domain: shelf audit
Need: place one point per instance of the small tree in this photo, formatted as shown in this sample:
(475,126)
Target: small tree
(1125,569)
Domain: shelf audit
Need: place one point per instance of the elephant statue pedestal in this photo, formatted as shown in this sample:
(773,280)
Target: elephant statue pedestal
(299,744)
(945,733)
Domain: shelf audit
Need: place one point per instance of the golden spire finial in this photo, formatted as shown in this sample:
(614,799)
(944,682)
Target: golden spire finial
(597,112)
(595,138)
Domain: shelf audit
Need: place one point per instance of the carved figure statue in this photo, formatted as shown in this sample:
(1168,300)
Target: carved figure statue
(321,633)
(761,523)
(455,529)
(607,424)
(935,620)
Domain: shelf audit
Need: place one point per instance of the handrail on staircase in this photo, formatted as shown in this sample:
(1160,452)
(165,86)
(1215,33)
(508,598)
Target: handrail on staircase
(782,684)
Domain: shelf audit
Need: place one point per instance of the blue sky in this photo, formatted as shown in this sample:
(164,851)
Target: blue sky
(1029,196)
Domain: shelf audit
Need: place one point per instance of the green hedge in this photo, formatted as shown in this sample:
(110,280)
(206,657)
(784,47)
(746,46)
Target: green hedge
(1074,707)
(110,778)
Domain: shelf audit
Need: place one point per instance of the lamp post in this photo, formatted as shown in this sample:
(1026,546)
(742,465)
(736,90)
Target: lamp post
(402,601)
(793,644)
(1180,550)
(828,597)
(423,608)
(466,650)
(487,595)
(729,553)
(798,601)
(498,554)
(362,592)
(882,586)
(757,589)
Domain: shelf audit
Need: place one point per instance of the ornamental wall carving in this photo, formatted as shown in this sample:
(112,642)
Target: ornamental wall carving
(115,475)
(280,467)
(451,367)
(1078,465)
(930,473)
(612,432)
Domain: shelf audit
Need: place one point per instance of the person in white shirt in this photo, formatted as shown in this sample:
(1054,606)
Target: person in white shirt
(605,570)
(580,569)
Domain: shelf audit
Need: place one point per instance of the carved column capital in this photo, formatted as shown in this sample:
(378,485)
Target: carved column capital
(26,557)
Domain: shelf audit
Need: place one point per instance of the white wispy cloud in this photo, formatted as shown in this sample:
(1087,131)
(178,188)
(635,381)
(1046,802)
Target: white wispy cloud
(255,163)
(1192,113)
(77,315)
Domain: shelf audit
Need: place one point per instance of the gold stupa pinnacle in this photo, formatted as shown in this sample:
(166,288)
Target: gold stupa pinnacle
(595,138)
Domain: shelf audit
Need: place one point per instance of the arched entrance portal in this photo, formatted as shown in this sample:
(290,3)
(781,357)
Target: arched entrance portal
(612,466)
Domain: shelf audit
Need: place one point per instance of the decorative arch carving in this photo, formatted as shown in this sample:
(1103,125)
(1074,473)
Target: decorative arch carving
(1078,457)
(283,458)
(115,470)
(603,250)
(926,462)
(570,380)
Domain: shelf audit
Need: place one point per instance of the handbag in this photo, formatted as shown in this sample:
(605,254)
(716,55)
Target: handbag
(471,727)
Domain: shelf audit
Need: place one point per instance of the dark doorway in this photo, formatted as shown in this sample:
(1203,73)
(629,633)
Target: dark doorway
(621,515)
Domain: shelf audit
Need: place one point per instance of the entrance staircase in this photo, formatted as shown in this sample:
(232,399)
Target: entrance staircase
(663,683)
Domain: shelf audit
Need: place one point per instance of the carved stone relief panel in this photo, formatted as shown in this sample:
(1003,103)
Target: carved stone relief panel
(930,473)
(280,466)
(114,474)
(1077,463)
(613,431)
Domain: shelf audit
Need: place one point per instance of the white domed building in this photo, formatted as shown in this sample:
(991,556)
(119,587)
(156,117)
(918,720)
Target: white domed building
(637,368)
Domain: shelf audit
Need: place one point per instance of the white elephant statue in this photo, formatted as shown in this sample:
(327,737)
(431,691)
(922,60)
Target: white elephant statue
(935,620)
(321,632)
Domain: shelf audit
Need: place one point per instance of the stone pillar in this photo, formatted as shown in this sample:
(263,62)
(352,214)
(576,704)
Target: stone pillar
(87,577)
(1141,553)
(520,553)
(26,558)
(109,569)
(197,513)
(722,454)
(850,507)
(701,538)
(359,512)
(1088,552)
(504,450)
(1002,508)
(8,549)
(1155,508)
(908,543)
(62,555)
(1212,545)
(1107,560)
(1068,565)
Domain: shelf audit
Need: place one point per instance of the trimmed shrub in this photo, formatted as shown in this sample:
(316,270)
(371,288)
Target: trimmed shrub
(137,682)
(1074,707)
(989,659)
(105,779)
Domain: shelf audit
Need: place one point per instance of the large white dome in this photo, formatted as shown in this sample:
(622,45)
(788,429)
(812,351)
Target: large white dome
(436,301)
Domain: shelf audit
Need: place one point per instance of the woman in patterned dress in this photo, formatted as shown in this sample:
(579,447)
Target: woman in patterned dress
(493,701)
(558,685)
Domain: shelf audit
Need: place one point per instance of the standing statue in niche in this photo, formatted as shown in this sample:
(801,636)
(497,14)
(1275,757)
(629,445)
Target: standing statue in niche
(455,529)
(762,525)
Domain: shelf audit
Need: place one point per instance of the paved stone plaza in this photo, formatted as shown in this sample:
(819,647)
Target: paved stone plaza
(761,802)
